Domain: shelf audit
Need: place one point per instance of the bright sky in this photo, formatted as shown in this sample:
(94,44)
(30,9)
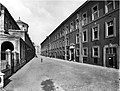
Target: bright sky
(42,16)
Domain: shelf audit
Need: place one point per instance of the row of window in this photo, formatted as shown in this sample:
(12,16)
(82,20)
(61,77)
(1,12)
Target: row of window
(109,6)
(57,44)
(110,31)
(95,51)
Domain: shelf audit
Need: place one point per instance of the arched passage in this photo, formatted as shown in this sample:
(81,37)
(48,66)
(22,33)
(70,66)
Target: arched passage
(6,45)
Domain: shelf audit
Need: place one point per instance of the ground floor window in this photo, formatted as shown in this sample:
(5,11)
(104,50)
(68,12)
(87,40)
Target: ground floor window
(84,59)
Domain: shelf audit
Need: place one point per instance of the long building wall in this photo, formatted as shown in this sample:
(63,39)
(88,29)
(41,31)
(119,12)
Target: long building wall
(88,35)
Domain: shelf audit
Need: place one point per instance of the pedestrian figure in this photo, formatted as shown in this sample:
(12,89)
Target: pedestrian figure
(41,60)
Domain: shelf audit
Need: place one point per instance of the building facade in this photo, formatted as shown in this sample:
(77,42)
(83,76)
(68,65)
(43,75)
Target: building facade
(88,35)
(16,47)
(37,48)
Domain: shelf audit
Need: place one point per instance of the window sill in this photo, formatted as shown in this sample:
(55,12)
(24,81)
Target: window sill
(84,41)
(110,36)
(95,39)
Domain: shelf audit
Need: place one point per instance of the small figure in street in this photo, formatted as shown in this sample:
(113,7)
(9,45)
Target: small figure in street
(41,60)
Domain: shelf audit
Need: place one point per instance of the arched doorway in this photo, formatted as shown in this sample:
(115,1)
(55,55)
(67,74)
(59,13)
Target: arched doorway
(6,45)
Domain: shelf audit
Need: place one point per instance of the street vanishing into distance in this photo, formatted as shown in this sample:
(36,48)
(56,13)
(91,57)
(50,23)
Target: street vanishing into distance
(52,74)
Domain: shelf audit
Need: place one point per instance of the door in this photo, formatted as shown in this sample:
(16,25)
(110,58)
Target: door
(111,57)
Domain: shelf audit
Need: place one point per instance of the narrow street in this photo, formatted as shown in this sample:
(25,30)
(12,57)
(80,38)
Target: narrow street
(60,75)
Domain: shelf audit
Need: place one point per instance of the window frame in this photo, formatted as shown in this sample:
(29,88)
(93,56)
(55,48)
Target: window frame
(114,28)
(106,8)
(77,37)
(84,52)
(67,41)
(67,29)
(71,26)
(93,55)
(93,37)
(77,52)
(83,19)
(86,35)
(93,18)
(76,24)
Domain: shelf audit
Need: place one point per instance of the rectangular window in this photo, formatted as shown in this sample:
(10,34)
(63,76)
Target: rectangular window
(95,12)
(71,27)
(67,40)
(67,29)
(76,24)
(109,6)
(110,28)
(77,52)
(85,51)
(84,36)
(84,19)
(95,51)
(77,38)
(95,33)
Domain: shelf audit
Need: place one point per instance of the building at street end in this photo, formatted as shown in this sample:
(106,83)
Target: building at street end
(16,47)
(89,35)
(37,48)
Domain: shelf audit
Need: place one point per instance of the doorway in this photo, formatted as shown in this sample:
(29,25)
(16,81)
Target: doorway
(111,57)
(5,46)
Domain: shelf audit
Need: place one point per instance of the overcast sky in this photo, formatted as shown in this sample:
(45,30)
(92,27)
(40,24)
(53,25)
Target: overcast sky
(42,16)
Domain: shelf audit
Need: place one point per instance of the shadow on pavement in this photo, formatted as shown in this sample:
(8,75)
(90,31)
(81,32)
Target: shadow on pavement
(48,85)
(7,81)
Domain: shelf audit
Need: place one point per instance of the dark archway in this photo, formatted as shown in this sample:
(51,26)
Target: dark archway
(6,45)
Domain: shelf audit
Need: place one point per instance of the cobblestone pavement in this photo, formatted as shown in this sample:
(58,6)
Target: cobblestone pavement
(60,75)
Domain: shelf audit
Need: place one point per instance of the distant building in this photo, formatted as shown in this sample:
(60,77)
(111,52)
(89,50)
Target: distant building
(16,47)
(88,35)
(37,47)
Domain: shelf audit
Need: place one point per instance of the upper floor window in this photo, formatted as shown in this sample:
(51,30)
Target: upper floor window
(77,38)
(67,41)
(76,24)
(109,6)
(67,29)
(77,52)
(110,28)
(84,19)
(85,51)
(84,37)
(63,31)
(95,12)
(71,26)
(95,32)
(95,50)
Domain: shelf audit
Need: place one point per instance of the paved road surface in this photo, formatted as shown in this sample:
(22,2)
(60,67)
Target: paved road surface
(60,75)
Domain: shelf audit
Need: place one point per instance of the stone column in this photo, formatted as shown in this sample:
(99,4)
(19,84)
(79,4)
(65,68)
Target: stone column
(8,57)
(15,59)
(1,80)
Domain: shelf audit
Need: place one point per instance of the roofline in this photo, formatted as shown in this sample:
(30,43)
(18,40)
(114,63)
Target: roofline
(69,17)
(6,10)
